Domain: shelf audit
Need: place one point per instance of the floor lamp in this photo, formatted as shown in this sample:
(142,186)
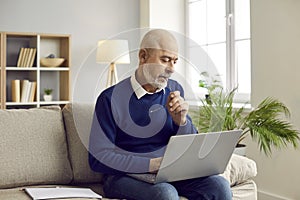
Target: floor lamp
(113,52)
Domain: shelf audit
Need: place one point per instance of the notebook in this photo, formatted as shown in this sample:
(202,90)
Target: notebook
(194,155)
(60,193)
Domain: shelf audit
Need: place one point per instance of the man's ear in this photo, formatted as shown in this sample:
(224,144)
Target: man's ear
(143,56)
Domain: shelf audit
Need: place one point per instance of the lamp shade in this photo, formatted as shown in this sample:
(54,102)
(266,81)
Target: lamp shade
(113,51)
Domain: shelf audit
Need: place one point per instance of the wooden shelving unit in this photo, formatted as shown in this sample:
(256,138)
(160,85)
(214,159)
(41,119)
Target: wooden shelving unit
(56,78)
(1,70)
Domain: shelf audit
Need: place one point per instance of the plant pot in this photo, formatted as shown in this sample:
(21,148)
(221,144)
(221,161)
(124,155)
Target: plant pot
(47,97)
(208,99)
(240,149)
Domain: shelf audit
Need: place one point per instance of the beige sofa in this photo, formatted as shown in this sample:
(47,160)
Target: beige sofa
(46,147)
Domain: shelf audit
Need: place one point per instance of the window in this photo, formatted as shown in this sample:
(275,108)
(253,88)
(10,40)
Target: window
(222,29)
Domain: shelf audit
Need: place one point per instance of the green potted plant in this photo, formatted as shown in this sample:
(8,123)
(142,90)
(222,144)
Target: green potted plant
(48,94)
(265,123)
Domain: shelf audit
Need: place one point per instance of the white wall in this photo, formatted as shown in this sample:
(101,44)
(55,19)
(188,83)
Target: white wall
(87,22)
(167,14)
(170,15)
(275,72)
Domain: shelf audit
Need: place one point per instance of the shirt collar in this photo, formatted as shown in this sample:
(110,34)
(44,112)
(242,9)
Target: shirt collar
(138,89)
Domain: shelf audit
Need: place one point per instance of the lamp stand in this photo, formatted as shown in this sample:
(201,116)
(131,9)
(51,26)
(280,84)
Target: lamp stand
(112,75)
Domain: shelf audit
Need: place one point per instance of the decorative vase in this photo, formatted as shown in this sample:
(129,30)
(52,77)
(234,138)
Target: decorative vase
(47,97)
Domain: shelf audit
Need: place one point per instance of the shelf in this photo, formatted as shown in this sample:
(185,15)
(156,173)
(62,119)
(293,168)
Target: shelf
(54,68)
(20,103)
(13,44)
(35,68)
(56,78)
(53,102)
(1,71)
(36,103)
(21,68)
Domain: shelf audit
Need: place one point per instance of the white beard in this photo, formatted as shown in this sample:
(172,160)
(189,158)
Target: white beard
(160,81)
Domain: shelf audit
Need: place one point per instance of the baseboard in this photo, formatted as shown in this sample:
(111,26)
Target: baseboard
(262,195)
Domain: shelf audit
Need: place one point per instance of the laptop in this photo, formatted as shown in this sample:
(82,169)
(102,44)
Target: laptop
(194,155)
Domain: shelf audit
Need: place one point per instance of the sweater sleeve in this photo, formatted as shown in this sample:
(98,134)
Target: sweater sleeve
(187,128)
(104,155)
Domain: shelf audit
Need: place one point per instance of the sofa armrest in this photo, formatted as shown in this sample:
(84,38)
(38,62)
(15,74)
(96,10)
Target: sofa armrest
(239,169)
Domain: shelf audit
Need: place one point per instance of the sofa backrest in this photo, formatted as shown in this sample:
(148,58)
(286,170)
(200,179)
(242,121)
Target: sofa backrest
(78,120)
(33,147)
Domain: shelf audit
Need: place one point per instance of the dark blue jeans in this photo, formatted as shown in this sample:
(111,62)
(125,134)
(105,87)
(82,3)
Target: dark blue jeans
(206,188)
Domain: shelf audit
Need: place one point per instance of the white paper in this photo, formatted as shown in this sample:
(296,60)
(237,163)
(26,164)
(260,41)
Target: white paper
(57,192)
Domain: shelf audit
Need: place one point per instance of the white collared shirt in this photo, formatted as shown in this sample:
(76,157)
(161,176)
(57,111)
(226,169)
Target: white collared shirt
(138,89)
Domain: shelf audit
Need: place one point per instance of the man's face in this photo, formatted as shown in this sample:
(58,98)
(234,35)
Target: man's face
(158,67)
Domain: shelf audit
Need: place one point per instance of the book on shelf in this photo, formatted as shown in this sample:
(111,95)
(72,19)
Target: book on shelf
(32,91)
(15,90)
(23,61)
(21,57)
(24,89)
(26,57)
(32,58)
(29,54)
(28,90)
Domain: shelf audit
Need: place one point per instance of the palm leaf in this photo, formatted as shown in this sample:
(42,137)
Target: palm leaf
(265,124)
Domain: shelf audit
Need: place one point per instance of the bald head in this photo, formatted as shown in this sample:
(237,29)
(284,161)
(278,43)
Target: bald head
(157,56)
(159,39)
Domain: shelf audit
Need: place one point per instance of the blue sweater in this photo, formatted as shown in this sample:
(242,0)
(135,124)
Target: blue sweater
(127,132)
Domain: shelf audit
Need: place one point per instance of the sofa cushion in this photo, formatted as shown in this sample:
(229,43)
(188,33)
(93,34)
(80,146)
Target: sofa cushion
(78,120)
(239,169)
(33,147)
(246,190)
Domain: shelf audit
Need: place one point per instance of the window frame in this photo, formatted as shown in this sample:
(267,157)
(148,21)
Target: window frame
(231,64)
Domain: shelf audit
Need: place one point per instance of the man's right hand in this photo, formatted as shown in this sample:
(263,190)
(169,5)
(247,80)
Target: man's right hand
(177,107)
(155,164)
